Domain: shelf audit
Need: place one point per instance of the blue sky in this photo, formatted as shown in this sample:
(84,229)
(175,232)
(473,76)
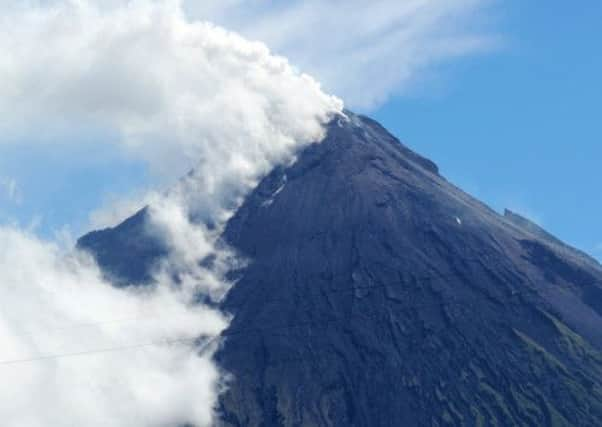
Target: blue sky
(516,124)
(521,127)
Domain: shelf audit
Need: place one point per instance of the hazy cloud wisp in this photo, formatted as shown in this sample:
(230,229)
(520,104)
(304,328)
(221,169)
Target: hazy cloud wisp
(9,189)
(362,51)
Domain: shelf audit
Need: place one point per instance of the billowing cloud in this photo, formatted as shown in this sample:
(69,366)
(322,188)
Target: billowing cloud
(174,92)
(364,51)
(179,95)
(77,351)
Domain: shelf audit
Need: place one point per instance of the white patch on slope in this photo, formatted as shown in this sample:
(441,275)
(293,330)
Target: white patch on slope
(278,191)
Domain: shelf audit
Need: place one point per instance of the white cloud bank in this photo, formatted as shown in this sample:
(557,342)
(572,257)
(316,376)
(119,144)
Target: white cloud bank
(139,366)
(364,51)
(177,94)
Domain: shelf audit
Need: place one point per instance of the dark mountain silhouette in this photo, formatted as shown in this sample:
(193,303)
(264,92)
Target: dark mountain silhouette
(381,295)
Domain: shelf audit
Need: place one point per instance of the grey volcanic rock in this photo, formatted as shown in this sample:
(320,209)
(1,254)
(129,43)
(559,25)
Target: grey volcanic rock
(127,253)
(379,294)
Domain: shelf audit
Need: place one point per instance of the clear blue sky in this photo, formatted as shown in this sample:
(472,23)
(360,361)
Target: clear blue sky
(519,127)
(522,127)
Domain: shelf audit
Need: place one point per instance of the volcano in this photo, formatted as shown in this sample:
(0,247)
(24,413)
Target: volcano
(379,294)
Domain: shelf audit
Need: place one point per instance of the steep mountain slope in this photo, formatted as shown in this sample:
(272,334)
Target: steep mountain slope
(380,294)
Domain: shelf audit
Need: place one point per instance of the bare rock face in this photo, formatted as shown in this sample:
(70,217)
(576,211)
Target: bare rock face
(378,294)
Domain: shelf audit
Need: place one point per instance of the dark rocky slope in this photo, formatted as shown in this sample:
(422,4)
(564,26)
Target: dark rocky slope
(381,295)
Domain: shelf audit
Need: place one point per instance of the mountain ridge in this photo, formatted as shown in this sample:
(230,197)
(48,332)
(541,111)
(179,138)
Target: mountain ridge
(378,293)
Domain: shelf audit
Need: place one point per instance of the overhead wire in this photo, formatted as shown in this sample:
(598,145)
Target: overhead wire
(212,338)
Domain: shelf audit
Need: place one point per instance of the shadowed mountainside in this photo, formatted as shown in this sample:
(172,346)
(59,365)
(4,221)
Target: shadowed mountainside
(378,294)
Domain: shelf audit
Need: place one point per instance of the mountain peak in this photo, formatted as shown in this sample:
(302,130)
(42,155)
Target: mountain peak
(369,130)
(378,293)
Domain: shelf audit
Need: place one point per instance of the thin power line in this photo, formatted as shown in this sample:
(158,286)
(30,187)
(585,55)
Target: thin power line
(319,292)
(83,325)
(212,338)
(102,350)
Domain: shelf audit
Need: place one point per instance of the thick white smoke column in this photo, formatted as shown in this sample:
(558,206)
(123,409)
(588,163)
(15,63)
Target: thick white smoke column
(179,95)
(176,92)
